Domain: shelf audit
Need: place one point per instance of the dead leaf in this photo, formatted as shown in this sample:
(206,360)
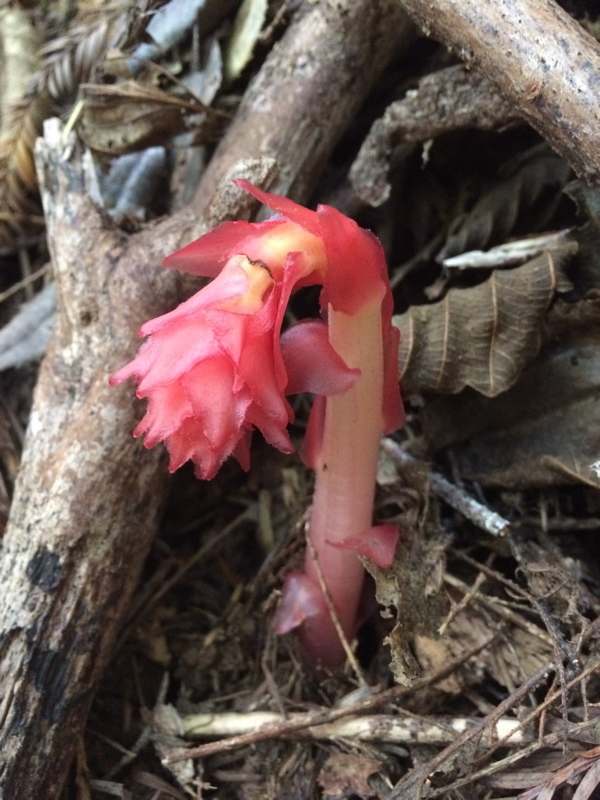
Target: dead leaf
(412,586)
(129,116)
(543,431)
(247,27)
(504,209)
(482,336)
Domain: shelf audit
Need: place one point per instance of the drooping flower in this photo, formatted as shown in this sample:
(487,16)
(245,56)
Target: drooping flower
(215,368)
(218,367)
(212,370)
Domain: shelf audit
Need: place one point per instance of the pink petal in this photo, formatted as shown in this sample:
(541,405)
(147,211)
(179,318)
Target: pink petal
(357,272)
(311,362)
(287,208)
(168,406)
(378,544)
(207,255)
(215,406)
(187,443)
(231,283)
(300,600)
(258,369)
(164,357)
(274,430)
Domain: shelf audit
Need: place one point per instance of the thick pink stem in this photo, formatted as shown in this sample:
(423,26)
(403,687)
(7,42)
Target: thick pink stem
(345,479)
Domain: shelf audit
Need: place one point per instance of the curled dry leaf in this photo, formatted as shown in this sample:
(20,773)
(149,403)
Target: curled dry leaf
(129,116)
(410,590)
(248,25)
(483,336)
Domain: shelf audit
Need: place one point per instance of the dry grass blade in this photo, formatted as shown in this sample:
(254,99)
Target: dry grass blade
(68,62)
(18,60)
(480,337)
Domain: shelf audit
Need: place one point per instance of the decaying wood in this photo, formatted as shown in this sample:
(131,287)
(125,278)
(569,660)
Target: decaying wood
(538,57)
(444,101)
(351,42)
(88,499)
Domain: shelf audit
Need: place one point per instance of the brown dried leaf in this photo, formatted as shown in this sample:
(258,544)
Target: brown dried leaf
(411,586)
(347,775)
(543,431)
(480,337)
(129,116)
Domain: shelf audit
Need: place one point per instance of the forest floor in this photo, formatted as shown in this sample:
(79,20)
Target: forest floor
(475,675)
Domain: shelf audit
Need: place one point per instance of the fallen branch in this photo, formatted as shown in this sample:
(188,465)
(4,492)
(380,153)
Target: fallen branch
(539,58)
(445,101)
(88,499)
(372,728)
(485,518)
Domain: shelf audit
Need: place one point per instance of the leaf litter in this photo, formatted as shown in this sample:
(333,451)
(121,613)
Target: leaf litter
(501,375)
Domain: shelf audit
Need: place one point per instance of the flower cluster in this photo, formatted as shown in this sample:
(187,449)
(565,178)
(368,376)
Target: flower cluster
(218,367)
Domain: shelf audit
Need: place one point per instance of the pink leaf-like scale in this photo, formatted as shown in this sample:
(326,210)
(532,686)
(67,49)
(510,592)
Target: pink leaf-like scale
(377,543)
(300,600)
(312,364)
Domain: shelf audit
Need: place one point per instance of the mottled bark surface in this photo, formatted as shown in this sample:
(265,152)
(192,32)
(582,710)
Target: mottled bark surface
(89,499)
(310,87)
(538,57)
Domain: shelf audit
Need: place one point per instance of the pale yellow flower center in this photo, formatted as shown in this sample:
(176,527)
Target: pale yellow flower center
(259,281)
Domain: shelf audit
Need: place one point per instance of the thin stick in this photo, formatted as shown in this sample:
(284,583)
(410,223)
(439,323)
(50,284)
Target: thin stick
(457,498)
(286,727)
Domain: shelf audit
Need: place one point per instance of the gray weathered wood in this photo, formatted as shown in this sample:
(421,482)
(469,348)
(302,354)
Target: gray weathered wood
(88,499)
(538,57)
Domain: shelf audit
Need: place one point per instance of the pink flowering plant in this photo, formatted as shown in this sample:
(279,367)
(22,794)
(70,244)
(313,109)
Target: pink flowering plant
(218,367)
